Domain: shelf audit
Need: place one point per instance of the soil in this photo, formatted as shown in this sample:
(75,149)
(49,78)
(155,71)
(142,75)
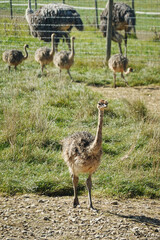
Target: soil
(42,217)
(150,95)
(51,218)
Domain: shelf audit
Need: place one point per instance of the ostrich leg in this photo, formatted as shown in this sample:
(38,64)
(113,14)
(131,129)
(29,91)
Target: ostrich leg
(69,74)
(75,184)
(114,80)
(125,41)
(124,79)
(89,186)
(68,42)
(120,47)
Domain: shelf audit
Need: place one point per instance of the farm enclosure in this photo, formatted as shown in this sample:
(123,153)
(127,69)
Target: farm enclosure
(37,110)
(90,45)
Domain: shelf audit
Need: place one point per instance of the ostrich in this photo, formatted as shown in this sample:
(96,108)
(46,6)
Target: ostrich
(82,153)
(55,18)
(44,55)
(15,57)
(65,59)
(119,63)
(123,18)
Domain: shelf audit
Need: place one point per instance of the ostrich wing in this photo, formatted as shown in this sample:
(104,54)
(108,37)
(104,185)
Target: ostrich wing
(53,18)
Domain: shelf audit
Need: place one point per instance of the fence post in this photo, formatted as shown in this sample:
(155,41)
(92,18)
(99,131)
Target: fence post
(134,28)
(96,8)
(64,1)
(109,30)
(11,10)
(35,4)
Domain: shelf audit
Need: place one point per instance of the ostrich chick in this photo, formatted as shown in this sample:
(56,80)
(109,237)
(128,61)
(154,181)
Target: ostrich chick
(119,63)
(15,57)
(44,55)
(82,153)
(65,59)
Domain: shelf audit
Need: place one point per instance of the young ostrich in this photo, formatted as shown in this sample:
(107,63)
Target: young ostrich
(119,63)
(44,55)
(15,57)
(82,153)
(65,59)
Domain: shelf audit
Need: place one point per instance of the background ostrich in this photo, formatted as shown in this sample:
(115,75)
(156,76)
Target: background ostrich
(82,153)
(123,18)
(65,59)
(55,18)
(15,57)
(44,55)
(119,63)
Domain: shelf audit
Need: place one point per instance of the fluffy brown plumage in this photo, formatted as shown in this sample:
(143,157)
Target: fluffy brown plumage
(15,57)
(82,153)
(65,59)
(44,55)
(123,18)
(119,63)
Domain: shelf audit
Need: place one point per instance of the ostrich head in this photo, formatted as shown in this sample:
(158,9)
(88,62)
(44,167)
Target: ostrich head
(102,104)
(26,46)
(130,70)
(103,27)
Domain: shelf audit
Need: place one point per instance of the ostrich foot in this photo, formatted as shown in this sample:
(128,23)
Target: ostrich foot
(75,202)
(93,209)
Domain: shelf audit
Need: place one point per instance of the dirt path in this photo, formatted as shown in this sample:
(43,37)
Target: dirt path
(149,95)
(40,217)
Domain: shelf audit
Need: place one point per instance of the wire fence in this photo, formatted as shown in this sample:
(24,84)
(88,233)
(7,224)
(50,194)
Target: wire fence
(89,44)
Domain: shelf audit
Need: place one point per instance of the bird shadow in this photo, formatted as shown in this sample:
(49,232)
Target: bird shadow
(147,88)
(140,219)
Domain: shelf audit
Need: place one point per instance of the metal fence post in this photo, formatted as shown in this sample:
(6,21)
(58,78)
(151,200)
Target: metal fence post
(35,4)
(134,29)
(96,8)
(11,10)
(109,30)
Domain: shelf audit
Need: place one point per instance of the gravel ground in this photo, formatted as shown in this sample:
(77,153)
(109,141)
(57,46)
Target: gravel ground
(41,217)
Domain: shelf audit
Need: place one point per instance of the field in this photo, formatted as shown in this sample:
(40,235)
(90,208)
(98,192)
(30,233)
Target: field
(38,110)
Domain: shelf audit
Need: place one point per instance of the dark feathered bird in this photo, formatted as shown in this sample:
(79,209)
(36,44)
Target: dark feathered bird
(55,18)
(123,18)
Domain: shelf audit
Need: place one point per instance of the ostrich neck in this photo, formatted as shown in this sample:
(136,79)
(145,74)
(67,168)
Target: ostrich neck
(72,50)
(26,56)
(29,4)
(52,46)
(96,145)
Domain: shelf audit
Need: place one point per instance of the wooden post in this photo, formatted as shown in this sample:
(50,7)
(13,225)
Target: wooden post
(96,8)
(11,10)
(109,30)
(35,5)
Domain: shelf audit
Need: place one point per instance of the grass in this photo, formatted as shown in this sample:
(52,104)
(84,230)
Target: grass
(37,111)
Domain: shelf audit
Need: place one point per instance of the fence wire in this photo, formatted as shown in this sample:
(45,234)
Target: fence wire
(89,44)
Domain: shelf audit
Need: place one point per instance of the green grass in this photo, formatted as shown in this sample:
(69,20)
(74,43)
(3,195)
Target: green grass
(37,111)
